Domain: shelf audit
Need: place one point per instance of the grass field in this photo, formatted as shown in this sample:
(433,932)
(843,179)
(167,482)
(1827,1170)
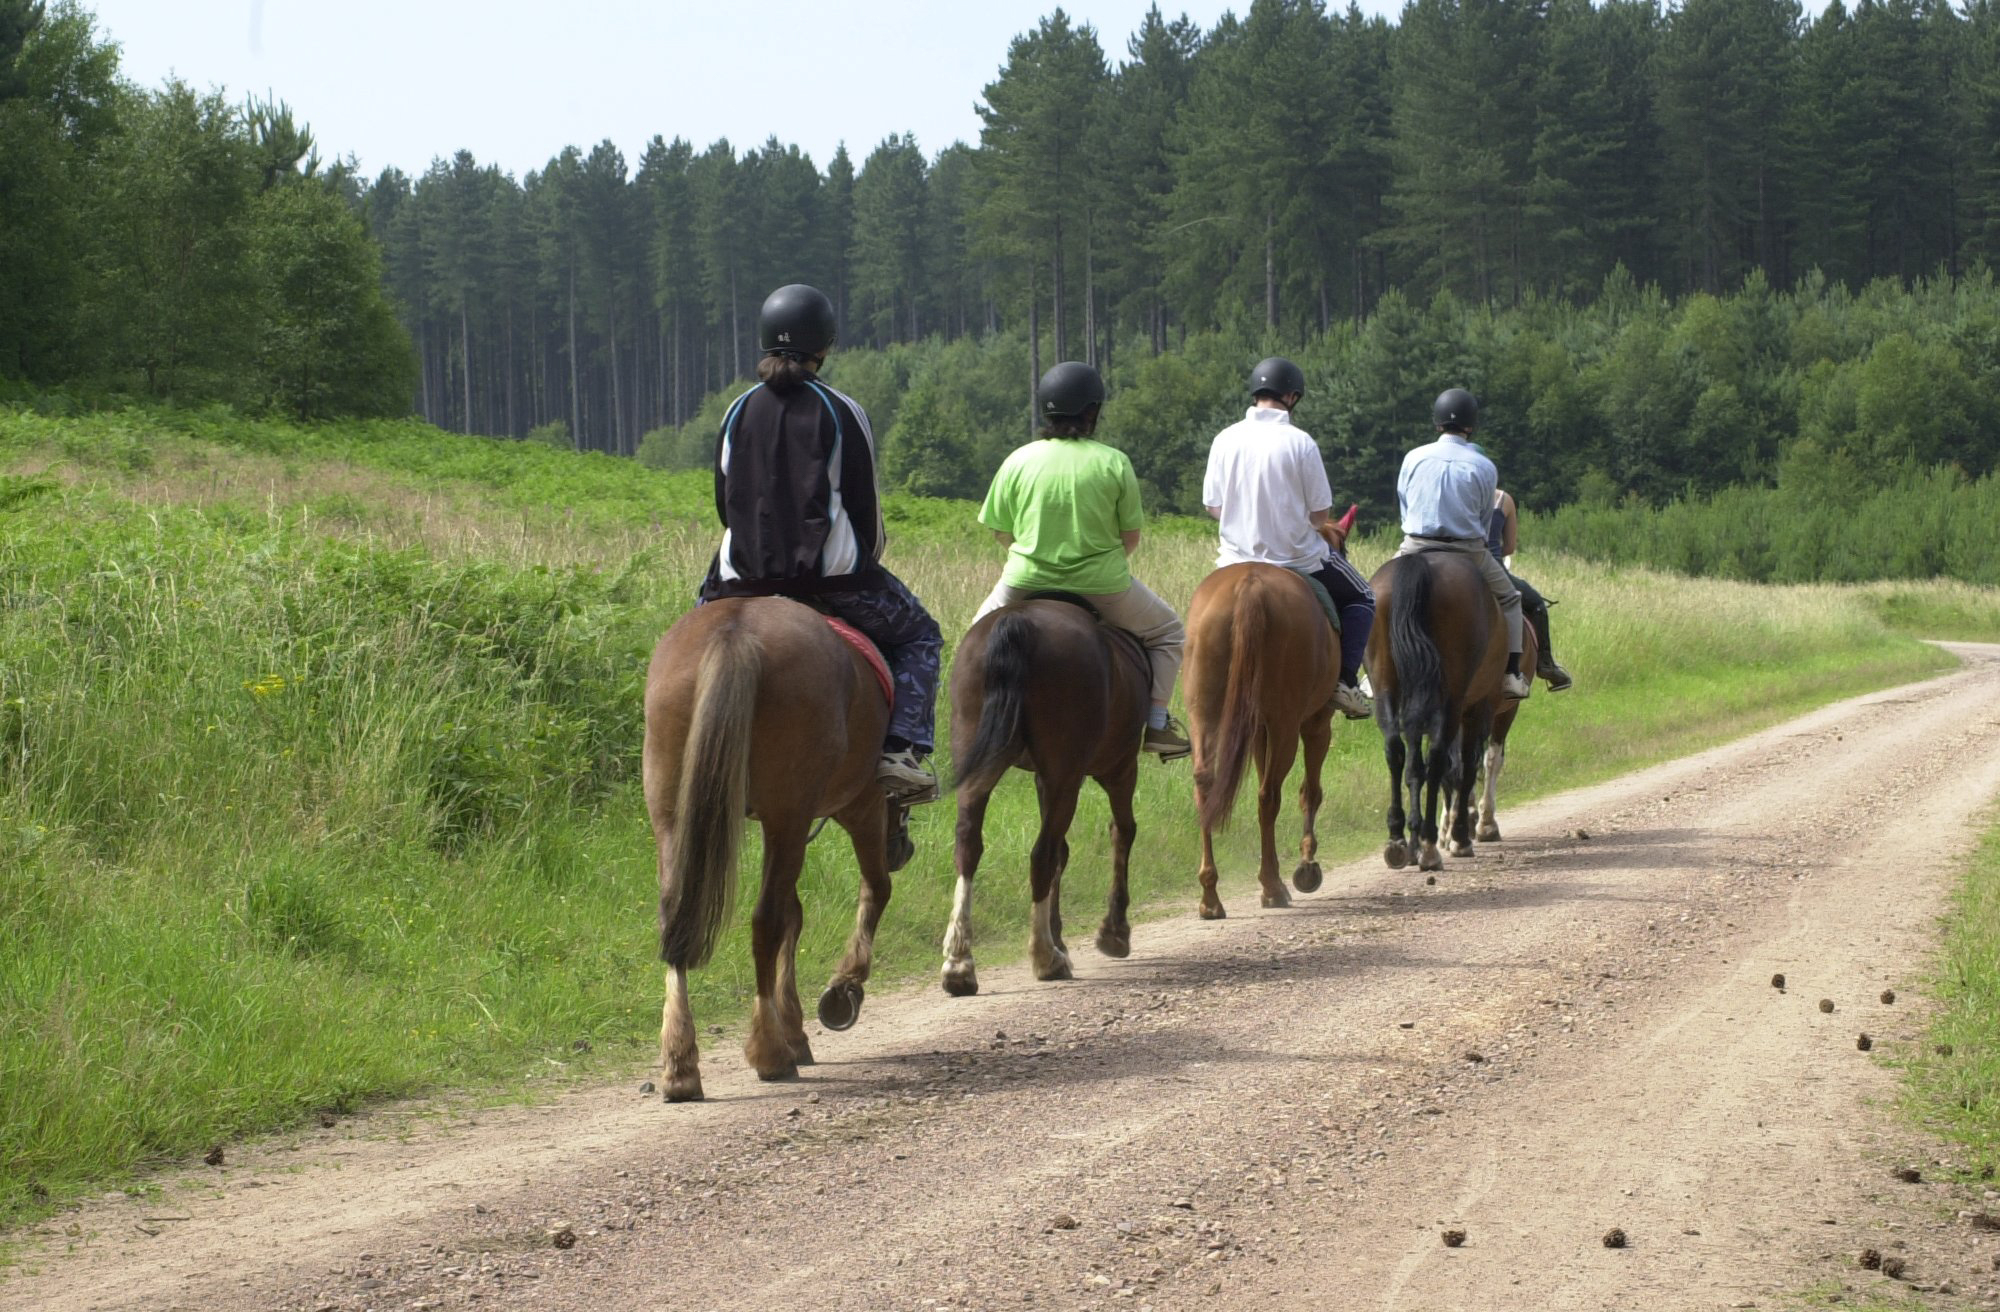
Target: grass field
(318,755)
(1954,1084)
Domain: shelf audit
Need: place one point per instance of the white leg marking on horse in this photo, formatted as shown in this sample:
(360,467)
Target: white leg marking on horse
(1496,756)
(958,930)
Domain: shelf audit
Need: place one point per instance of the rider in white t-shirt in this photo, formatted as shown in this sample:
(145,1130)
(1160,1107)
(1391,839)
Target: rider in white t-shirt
(1266,485)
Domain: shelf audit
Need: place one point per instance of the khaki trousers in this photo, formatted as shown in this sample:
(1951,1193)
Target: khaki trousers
(1138,611)
(1504,591)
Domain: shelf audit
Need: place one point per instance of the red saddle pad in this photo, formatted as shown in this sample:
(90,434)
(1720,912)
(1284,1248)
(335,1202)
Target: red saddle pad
(854,638)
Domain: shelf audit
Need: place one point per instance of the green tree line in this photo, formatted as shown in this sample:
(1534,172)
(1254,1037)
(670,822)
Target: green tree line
(1277,175)
(171,244)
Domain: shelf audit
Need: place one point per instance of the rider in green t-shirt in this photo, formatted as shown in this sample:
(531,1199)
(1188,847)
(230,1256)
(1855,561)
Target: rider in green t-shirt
(1068,509)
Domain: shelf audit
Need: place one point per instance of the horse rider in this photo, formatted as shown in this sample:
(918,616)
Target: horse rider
(1067,508)
(1502,536)
(1446,490)
(1266,486)
(796,490)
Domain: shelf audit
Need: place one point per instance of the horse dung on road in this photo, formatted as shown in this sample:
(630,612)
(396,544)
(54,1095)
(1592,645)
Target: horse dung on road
(757,708)
(1045,686)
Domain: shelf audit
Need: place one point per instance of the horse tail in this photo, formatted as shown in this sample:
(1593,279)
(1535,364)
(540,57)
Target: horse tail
(1238,724)
(714,797)
(1010,654)
(1419,701)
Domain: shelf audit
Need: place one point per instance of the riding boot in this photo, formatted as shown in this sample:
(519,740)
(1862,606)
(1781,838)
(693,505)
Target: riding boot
(1546,668)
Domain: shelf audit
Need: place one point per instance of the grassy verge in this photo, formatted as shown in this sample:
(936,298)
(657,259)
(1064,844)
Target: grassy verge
(317,767)
(1954,1084)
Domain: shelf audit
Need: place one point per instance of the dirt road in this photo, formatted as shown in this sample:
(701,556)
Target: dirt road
(1286,1109)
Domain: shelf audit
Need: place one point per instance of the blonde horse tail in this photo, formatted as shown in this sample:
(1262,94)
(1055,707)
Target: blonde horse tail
(696,898)
(1230,748)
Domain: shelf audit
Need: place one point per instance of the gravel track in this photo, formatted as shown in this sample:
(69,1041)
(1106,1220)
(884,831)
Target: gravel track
(1574,1031)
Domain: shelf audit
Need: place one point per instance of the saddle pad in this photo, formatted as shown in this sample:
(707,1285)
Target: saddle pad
(854,638)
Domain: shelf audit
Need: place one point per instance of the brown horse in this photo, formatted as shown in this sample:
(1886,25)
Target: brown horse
(1496,746)
(1435,659)
(755,708)
(1261,669)
(1043,686)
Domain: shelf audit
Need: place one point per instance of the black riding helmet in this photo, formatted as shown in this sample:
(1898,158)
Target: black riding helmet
(1277,376)
(1068,391)
(796,320)
(1455,409)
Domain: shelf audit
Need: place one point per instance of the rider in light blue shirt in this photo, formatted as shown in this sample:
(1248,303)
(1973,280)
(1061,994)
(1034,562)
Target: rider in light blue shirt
(1446,490)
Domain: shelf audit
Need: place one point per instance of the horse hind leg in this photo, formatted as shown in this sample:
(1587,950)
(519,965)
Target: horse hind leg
(1397,751)
(866,822)
(680,1054)
(1114,936)
(1045,862)
(1318,735)
(1437,766)
(1489,797)
(960,978)
(770,1048)
(1274,763)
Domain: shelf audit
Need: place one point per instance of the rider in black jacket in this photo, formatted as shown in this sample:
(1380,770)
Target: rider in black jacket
(801,515)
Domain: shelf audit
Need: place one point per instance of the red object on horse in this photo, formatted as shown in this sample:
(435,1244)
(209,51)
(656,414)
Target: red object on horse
(1347,520)
(854,638)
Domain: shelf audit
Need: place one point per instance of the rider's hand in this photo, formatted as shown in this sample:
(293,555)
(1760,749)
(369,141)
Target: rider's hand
(1335,535)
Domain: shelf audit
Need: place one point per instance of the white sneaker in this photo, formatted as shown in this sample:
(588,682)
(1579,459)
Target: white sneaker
(1350,702)
(1514,687)
(906,778)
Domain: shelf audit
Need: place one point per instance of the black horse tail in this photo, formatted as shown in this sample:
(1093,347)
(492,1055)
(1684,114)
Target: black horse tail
(1419,701)
(1236,728)
(1010,654)
(714,795)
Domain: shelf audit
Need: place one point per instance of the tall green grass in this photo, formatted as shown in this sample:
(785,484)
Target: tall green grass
(305,803)
(1955,1082)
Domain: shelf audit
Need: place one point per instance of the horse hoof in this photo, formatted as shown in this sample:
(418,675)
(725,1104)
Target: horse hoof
(1114,945)
(681,1088)
(1397,855)
(900,850)
(961,983)
(802,1054)
(1055,968)
(789,1071)
(1277,897)
(840,1005)
(1461,849)
(1430,860)
(1489,833)
(1213,911)
(1307,877)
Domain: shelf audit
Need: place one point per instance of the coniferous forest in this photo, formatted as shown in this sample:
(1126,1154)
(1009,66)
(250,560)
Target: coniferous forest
(1673,247)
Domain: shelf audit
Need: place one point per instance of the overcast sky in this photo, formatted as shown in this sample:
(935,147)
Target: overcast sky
(401,81)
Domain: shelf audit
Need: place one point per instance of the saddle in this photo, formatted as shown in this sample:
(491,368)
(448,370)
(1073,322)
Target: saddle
(854,638)
(1121,640)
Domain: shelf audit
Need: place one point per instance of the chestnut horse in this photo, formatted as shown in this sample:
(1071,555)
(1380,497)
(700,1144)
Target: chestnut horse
(1044,686)
(1262,664)
(756,708)
(1435,659)
(1496,746)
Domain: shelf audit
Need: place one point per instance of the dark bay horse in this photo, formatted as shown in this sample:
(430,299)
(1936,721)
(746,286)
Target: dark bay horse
(1261,669)
(1435,659)
(1496,746)
(1043,686)
(755,708)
